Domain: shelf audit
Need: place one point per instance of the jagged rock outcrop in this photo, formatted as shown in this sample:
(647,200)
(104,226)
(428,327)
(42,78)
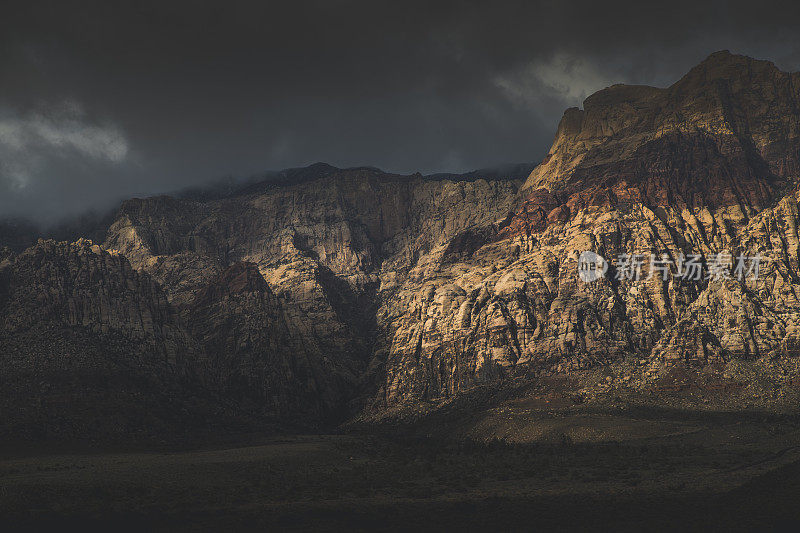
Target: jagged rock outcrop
(725,134)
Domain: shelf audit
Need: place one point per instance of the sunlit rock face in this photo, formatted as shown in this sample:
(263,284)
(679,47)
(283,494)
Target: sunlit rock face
(704,167)
(334,252)
(353,289)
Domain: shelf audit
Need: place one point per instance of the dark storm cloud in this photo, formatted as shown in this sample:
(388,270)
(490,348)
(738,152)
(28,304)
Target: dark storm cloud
(102,100)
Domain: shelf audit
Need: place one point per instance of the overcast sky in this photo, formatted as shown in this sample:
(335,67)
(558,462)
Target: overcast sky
(105,100)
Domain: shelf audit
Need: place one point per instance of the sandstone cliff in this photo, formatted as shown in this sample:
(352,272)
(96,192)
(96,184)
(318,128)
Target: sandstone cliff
(332,250)
(692,169)
(344,290)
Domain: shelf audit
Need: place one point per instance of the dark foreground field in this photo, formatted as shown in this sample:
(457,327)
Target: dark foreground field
(667,470)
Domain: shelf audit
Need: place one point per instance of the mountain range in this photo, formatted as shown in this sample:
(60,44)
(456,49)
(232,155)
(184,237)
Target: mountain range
(322,296)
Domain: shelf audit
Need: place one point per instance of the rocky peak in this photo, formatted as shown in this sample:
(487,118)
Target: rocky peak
(695,168)
(723,65)
(726,135)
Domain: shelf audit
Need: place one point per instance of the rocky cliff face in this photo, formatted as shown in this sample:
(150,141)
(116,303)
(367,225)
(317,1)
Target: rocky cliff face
(82,285)
(725,134)
(691,169)
(353,288)
(333,251)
